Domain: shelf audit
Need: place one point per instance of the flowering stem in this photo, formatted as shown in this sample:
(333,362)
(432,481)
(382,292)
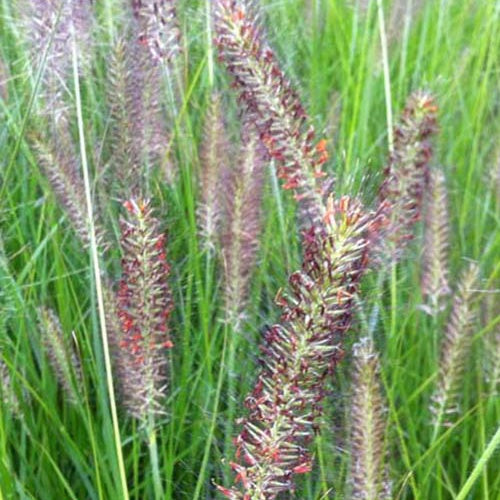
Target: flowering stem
(480,465)
(210,48)
(231,390)
(387,76)
(153,453)
(97,277)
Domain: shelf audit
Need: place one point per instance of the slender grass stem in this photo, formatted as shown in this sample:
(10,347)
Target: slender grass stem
(480,465)
(387,76)
(97,275)
(153,454)
(210,48)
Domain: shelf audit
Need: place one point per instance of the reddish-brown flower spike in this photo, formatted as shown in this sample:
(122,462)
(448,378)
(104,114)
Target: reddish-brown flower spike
(144,306)
(49,26)
(268,97)
(285,405)
(407,175)
(159,28)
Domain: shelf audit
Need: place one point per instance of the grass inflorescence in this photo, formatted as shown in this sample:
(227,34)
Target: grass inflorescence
(248,249)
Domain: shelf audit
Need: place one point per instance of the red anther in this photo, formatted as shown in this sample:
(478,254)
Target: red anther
(249,459)
(323,158)
(344,203)
(227,493)
(321,146)
(239,15)
(318,174)
(303,468)
(129,205)
(291,184)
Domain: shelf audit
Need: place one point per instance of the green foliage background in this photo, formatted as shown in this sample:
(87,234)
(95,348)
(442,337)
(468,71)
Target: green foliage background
(331,50)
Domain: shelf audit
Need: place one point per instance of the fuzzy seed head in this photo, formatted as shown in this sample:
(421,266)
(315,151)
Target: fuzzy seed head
(213,177)
(267,96)
(7,394)
(407,175)
(51,27)
(491,344)
(434,279)
(300,352)
(139,131)
(4,78)
(60,165)
(368,429)
(159,28)
(455,349)
(240,239)
(144,305)
(61,355)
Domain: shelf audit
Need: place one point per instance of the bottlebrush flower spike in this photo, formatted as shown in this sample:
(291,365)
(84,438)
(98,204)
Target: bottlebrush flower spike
(139,131)
(214,167)
(276,110)
(455,349)
(60,165)
(9,398)
(61,355)
(407,175)
(368,427)
(285,405)
(491,344)
(7,288)
(52,23)
(144,306)
(159,28)
(240,240)
(436,242)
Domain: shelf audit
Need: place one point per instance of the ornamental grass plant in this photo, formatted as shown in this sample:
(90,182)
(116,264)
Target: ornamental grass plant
(249,249)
